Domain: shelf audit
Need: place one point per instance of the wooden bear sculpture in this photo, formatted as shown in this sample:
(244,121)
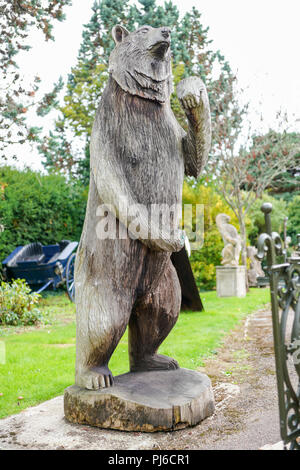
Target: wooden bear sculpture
(139,154)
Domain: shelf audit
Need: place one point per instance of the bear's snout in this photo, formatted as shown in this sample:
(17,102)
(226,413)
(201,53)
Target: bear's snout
(166,32)
(160,42)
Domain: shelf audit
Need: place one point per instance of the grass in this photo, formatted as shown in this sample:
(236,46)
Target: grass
(40,361)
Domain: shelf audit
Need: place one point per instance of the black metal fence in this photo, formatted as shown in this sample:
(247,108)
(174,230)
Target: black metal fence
(285,299)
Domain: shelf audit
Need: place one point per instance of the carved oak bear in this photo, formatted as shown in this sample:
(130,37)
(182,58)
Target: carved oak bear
(139,154)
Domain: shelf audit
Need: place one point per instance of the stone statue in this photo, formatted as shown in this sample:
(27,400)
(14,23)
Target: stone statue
(232,241)
(138,155)
(255,269)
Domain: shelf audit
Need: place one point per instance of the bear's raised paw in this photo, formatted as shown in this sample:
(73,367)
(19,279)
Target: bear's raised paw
(192,93)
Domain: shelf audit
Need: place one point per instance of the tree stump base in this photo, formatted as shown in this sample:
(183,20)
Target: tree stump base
(144,401)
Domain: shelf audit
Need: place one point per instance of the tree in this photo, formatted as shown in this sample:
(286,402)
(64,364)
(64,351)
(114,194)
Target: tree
(243,175)
(17,19)
(256,218)
(65,147)
(287,182)
(294,219)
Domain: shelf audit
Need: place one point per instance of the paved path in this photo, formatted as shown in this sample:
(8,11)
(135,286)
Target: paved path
(246,414)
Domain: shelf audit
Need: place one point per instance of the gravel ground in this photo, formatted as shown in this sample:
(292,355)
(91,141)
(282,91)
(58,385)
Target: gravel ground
(246,416)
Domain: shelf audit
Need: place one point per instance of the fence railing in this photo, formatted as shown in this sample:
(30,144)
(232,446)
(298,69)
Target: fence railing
(285,300)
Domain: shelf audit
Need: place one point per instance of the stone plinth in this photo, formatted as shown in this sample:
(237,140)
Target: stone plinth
(144,401)
(231,281)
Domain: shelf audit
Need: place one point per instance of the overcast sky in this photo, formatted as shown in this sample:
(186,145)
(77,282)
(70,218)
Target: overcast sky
(259,38)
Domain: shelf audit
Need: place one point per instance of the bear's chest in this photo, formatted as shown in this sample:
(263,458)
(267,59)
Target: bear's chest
(149,149)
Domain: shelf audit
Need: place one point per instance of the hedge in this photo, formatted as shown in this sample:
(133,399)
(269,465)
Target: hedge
(38,208)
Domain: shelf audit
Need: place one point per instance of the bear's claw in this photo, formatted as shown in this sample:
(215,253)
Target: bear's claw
(96,378)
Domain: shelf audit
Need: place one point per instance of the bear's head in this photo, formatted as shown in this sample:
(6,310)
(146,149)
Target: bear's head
(141,62)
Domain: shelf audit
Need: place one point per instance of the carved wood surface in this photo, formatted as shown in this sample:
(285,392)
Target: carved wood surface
(139,154)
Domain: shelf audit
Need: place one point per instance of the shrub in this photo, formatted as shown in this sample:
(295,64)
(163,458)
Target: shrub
(257,218)
(18,305)
(205,260)
(294,218)
(38,208)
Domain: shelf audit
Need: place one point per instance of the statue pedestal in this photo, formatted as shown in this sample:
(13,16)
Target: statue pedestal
(231,281)
(144,401)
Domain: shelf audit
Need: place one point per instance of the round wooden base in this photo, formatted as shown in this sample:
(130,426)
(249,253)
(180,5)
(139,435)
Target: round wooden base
(144,401)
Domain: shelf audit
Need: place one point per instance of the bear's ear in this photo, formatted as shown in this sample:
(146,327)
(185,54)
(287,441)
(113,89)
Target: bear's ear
(119,33)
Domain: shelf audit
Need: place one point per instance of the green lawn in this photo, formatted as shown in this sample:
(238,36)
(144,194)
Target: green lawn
(40,361)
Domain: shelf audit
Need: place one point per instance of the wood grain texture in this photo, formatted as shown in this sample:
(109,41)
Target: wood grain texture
(147,402)
(138,156)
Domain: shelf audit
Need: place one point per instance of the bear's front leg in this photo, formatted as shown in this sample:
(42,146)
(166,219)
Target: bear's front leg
(193,97)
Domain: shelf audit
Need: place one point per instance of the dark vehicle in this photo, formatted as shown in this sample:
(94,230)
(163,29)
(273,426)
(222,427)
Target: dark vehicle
(43,266)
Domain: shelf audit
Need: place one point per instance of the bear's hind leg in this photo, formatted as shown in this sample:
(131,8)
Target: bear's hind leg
(151,321)
(102,318)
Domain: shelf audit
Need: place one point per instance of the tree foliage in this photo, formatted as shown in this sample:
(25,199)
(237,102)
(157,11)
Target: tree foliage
(256,217)
(294,218)
(191,51)
(36,207)
(205,260)
(241,175)
(17,19)
(277,157)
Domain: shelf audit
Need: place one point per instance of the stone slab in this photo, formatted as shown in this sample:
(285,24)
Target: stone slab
(231,281)
(144,401)
(277,446)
